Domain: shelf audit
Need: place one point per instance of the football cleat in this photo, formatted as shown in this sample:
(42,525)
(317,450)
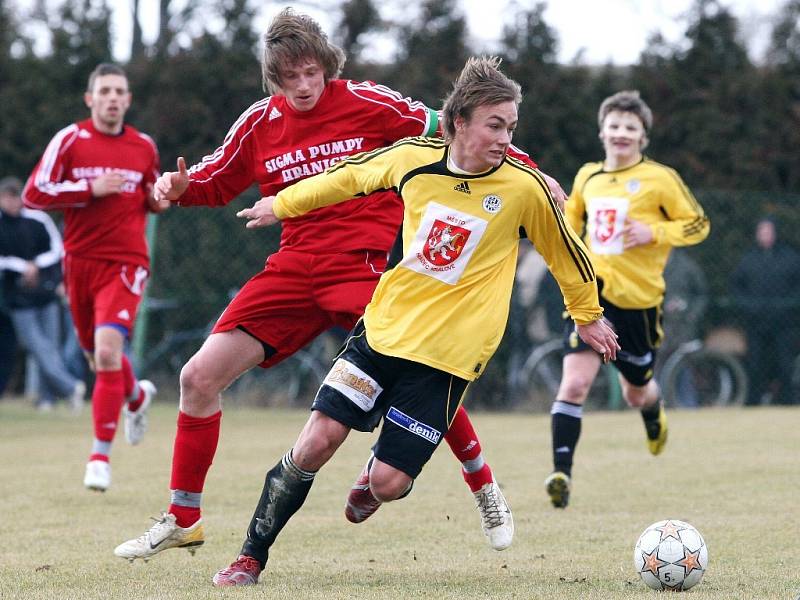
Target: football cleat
(657,432)
(164,534)
(136,421)
(78,397)
(558,487)
(496,519)
(361,504)
(97,476)
(243,571)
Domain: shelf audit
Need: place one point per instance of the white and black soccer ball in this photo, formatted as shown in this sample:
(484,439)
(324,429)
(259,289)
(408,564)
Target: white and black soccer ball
(671,555)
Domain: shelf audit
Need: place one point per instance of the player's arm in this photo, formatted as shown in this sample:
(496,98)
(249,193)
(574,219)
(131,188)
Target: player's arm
(358,175)
(687,223)
(220,176)
(47,188)
(568,261)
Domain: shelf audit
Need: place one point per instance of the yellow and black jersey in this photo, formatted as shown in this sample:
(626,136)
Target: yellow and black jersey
(446,303)
(649,192)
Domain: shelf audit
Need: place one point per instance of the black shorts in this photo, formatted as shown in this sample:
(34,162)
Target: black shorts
(417,402)
(639,332)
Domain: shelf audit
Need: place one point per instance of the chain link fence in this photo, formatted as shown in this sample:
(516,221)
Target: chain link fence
(202,256)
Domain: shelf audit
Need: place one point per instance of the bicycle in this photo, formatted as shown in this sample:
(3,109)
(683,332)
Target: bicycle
(697,376)
(540,376)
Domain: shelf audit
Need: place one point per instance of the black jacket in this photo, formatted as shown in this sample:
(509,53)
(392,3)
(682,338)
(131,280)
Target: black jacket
(31,236)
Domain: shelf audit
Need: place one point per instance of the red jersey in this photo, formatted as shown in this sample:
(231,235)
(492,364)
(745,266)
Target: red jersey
(273,145)
(108,228)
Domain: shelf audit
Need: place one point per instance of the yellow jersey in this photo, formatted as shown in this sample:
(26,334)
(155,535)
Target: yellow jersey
(649,192)
(446,303)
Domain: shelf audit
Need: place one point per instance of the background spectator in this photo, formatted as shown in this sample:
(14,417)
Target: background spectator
(765,287)
(30,261)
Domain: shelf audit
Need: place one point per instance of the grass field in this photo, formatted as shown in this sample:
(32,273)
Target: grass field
(733,474)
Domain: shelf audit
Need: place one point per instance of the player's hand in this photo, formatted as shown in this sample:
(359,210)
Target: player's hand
(107,184)
(559,195)
(30,276)
(635,233)
(601,337)
(172,184)
(260,214)
(156,206)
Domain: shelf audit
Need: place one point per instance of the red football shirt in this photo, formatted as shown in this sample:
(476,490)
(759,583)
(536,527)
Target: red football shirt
(107,228)
(273,145)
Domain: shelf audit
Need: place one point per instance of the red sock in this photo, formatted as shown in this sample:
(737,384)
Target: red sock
(130,384)
(461,437)
(479,478)
(466,446)
(107,399)
(192,455)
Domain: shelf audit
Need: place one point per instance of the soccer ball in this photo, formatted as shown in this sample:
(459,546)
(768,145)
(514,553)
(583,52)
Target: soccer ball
(670,555)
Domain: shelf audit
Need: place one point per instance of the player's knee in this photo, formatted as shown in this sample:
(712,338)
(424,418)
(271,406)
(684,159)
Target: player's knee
(197,389)
(574,387)
(107,358)
(388,485)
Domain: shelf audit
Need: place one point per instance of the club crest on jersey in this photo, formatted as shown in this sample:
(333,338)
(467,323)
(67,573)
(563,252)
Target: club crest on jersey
(633,186)
(445,243)
(492,204)
(604,224)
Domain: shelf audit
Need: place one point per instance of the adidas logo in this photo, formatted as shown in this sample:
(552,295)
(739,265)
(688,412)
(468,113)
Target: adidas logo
(274,113)
(463,187)
(124,314)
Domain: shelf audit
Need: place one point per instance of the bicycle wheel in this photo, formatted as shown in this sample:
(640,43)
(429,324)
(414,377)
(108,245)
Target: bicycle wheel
(704,378)
(541,376)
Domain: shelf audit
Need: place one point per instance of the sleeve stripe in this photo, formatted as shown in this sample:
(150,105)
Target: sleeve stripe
(582,262)
(219,153)
(357,88)
(45,177)
(363,157)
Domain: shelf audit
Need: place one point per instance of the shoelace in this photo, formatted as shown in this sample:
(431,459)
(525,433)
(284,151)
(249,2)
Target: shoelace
(489,508)
(160,523)
(243,563)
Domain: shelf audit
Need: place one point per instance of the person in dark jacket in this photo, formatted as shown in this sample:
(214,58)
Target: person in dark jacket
(766,288)
(30,271)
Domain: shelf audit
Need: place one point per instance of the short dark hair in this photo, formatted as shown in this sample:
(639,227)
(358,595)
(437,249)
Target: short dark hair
(10,185)
(480,83)
(292,37)
(104,69)
(626,101)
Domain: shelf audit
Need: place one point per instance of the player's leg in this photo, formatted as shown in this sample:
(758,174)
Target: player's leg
(639,335)
(107,399)
(578,373)
(285,488)
(222,358)
(489,500)
(269,319)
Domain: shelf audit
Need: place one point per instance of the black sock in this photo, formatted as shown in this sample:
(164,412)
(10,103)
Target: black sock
(650,413)
(285,489)
(566,429)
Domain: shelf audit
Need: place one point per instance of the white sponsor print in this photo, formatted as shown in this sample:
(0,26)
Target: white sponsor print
(606,219)
(139,278)
(355,384)
(444,243)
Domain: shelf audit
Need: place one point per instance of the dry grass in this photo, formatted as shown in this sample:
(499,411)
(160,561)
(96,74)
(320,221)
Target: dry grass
(733,474)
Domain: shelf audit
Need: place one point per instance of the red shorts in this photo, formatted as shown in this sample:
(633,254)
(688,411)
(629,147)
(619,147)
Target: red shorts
(298,296)
(102,292)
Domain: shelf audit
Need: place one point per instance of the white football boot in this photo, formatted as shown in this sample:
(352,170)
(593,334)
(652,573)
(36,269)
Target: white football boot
(136,421)
(496,519)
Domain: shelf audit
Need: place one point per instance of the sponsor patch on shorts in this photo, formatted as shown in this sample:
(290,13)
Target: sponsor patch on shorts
(355,384)
(401,419)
